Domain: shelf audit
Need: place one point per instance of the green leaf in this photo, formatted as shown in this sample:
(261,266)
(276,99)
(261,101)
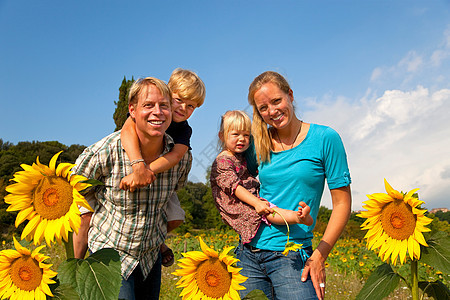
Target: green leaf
(96,277)
(65,292)
(255,295)
(380,283)
(435,289)
(437,254)
(93,182)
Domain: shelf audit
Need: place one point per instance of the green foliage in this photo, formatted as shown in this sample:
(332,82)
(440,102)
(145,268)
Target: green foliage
(197,201)
(120,113)
(96,277)
(380,283)
(255,295)
(443,216)
(436,289)
(437,254)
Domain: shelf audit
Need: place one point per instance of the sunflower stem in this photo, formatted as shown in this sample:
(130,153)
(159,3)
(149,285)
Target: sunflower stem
(414,280)
(287,225)
(69,246)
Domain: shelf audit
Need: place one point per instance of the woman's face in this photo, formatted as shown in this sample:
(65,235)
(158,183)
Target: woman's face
(274,105)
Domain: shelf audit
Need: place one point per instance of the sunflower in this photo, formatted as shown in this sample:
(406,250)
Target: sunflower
(23,274)
(48,197)
(207,275)
(395,224)
(291,246)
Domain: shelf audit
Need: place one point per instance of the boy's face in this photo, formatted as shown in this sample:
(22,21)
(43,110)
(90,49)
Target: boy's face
(182,108)
(152,112)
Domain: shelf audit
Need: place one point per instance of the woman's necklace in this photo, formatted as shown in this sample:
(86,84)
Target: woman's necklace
(295,138)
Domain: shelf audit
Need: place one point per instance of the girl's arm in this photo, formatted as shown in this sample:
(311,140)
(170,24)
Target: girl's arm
(315,265)
(142,175)
(261,207)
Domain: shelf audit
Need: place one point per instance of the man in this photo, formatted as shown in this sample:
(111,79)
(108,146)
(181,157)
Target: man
(133,223)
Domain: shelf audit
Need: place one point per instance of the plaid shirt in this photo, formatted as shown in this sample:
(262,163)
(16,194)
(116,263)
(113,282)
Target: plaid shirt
(135,224)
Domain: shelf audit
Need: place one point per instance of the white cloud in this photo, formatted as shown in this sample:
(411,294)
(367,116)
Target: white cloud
(402,136)
(411,62)
(376,73)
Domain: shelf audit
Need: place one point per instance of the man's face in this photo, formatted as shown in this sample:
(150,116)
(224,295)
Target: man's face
(152,113)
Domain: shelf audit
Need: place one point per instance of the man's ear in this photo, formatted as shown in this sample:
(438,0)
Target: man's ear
(131,110)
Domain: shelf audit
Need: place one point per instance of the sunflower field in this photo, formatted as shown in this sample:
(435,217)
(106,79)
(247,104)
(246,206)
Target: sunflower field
(348,265)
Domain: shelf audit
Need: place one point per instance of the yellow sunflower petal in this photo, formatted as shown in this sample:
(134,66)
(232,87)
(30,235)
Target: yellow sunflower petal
(208,275)
(29,228)
(23,215)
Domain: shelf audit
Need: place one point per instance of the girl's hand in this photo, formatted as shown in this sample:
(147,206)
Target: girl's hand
(303,214)
(262,208)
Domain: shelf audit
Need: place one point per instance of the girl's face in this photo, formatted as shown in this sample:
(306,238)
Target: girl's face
(237,141)
(274,105)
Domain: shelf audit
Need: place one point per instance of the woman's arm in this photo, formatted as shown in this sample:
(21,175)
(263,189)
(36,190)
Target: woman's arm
(315,265)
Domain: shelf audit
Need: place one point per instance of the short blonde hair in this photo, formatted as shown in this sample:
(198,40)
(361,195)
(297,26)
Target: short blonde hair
(187,85)
(140,84)
(233,120)
(260,132)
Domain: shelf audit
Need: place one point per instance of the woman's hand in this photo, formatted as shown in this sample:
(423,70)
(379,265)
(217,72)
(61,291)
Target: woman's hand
(315,267)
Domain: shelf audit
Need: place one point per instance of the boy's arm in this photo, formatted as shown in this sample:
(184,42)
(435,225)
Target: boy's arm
(170,159)
(261,207)
(142,175)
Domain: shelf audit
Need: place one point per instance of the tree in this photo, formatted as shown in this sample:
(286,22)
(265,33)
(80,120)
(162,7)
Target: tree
(120,113)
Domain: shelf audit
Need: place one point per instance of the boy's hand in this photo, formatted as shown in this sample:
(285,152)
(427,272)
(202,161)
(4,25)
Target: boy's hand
(262,208)
(141,176)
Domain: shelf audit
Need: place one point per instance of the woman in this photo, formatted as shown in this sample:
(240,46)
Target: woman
(294,158)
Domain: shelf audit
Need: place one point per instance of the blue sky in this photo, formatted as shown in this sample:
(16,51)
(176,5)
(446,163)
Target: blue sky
(376,71)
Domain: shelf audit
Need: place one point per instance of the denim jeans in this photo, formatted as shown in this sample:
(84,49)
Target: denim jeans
(278,276)
(136,288)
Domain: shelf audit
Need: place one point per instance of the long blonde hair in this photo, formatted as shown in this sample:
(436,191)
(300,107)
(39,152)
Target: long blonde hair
(260,132)
(233,120)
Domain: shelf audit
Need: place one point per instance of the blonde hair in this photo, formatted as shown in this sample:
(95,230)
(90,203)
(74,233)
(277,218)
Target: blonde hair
(233,120)
(187,85)
(140,84)
(261,134)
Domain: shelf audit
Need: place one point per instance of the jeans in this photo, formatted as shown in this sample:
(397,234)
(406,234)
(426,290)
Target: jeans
(136,288)
(278,276)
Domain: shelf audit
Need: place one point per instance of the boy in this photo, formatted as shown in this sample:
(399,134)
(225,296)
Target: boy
(188,93)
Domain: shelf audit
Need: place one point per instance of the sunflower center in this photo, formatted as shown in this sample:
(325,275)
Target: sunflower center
(213,278)
(50,197)
(398,220)
(53,197)
(26,274)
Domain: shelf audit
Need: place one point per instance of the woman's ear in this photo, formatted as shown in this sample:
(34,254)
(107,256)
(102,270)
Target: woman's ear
(291,95)
(220,135)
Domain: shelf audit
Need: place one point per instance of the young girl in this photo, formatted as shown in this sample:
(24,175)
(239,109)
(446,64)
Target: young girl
(236,192)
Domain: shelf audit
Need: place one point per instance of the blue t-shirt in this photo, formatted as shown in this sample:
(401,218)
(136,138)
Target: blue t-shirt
(299,174)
